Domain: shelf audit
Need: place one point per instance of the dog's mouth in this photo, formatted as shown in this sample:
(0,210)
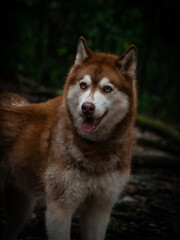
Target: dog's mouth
(89,124)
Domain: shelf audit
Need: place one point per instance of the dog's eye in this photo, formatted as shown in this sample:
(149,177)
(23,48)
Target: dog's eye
(83,85)
(107,89)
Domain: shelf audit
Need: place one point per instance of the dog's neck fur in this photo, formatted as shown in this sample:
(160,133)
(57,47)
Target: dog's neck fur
(94,157)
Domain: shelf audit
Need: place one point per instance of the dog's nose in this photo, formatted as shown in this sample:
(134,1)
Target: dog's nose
(88,107)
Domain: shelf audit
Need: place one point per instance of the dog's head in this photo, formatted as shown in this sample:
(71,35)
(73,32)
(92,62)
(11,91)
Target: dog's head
(99,90)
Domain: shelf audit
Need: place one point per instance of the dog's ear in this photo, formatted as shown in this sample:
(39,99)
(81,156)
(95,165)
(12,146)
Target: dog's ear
(127,61)
(83,51)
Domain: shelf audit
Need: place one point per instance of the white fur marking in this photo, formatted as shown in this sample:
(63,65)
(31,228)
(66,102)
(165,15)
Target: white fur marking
(106,82)
(86,79)
(116,103)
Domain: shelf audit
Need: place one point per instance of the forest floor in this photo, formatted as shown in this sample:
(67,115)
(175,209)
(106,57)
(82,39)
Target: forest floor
(149,208)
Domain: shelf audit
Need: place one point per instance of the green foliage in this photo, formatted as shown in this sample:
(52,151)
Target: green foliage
(149,103)
(39,39)
(113,223)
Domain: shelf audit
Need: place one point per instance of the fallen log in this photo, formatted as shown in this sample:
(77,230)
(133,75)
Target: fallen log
(166,147)
(160,128)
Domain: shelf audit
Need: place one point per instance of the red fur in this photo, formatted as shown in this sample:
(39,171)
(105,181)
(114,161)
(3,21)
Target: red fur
(32,135)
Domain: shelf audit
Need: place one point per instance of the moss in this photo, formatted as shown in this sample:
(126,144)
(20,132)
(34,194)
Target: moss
(159,127)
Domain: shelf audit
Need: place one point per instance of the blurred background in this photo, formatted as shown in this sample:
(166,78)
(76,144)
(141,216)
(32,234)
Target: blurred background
(38,42)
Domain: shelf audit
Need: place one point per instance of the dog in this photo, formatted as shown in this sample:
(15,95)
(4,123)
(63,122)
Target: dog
(74,151)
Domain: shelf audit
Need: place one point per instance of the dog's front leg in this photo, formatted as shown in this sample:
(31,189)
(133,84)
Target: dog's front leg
(94,220)
(58,221)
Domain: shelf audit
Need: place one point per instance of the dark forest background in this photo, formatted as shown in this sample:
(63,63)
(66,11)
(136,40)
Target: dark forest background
(38,40)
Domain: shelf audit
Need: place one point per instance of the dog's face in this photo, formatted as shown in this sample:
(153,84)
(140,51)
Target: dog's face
(98,90)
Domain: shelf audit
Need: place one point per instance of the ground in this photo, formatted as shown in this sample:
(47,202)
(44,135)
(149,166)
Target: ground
(149,208)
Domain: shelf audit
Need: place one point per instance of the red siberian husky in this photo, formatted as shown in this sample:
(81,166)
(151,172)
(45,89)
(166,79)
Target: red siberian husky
(74,150)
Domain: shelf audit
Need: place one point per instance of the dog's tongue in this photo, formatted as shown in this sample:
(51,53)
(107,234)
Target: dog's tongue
(88,125)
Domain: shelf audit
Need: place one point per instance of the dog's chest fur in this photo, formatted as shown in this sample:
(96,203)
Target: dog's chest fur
(85,168)
(75,186)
